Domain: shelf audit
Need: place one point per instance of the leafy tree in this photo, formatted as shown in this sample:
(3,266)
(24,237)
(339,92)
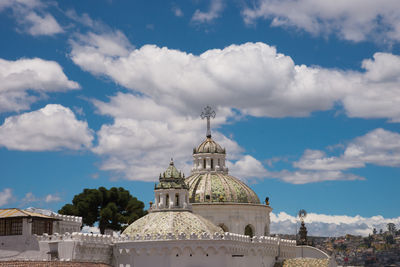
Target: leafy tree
(115,208)
(374,231)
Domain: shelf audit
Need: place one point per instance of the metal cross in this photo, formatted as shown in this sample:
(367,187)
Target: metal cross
(208,113)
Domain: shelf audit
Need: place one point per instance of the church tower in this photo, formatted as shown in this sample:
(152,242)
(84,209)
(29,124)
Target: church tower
(223,199)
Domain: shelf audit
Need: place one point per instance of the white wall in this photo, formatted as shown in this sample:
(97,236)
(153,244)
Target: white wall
(236,216)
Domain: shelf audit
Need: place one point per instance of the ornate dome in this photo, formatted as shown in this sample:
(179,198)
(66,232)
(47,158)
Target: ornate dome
(209,146)
(171,178)
(219,187)
(174,222)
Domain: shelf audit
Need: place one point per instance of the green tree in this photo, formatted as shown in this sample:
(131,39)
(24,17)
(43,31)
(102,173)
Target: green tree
(115,208)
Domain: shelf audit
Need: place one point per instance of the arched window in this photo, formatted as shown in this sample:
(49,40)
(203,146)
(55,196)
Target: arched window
(167,201)
(248,230)
(223,227)
(212,164)
(176,199)
(204,163)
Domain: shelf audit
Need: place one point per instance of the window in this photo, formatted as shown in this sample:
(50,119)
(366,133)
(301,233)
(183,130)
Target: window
(40,226)
(167,201)
(212,164)
(219,163)
(176,200)
(248,230)
(204,163)
(11,226)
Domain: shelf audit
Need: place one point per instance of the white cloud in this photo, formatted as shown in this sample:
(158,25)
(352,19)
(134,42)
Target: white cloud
(5,196)
(379,147)
(32,17)
(177,11)
(20,76)
(330,225)
(251,77)
(248,167)
(42,25)
(145,135)
(50,128)
(216,7)
(356,20)
(52,198)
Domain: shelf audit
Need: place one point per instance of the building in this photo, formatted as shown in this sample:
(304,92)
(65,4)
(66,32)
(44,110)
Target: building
(207,219)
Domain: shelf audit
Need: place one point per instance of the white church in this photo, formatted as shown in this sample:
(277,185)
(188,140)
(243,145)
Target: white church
(207,219)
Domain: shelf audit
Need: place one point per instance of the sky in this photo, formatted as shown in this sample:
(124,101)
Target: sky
(306,94)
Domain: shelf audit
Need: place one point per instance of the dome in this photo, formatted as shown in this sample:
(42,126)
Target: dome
(174,222)
(218,187)
(171,178)
(209,146)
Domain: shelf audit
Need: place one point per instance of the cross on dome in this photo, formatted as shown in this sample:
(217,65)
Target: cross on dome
(208,113)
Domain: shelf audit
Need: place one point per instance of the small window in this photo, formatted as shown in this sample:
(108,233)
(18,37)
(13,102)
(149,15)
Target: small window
(248,230)
(204,163)
(212,164)
(167,201)
(176,200)
(219,163)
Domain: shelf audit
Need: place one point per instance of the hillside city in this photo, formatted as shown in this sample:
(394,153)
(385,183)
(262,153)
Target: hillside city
(380,248)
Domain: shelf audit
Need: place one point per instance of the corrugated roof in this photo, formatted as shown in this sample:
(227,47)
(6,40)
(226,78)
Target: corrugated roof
(10,213)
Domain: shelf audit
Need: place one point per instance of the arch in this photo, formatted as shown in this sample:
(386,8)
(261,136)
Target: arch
(249,230)
(224,227)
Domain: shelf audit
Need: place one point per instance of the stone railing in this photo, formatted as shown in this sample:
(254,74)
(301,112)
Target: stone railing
(84,237)
(67,218)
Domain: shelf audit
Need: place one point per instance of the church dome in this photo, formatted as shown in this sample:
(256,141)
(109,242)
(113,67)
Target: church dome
(219,187)
(175,222)
(208,146)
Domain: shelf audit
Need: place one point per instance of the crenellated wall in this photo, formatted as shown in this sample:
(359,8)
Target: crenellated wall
(66,223)
(228,249)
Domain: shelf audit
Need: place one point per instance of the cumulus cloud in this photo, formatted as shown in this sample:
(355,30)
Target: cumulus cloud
(379,147)
(144,136)
(50,128)
(5,196)
(32,17)
(330,225)
(252,78)
(214,12)
(350,20)
(19,77)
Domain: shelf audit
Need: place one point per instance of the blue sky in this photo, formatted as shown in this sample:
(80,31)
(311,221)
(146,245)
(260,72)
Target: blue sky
(104,93)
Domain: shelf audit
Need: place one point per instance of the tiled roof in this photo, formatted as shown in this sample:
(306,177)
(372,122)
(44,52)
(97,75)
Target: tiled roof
(219,187)
(12,213)
(306,262)
(175,222)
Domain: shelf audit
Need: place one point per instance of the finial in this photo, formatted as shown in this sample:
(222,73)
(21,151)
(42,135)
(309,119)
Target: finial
(208,113)
(171,162)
